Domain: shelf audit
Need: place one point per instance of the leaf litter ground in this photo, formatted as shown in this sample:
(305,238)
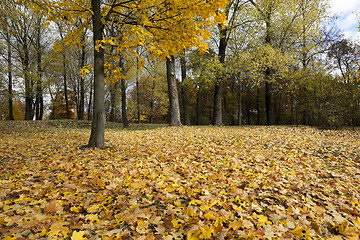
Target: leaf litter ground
(180,183)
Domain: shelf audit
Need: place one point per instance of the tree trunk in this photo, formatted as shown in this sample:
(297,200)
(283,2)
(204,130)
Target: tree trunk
(65,87)
(197,115)
(257,106)
(28,90)
(82,85)
(173,92)
(239,102)
(152,102)
(10,90)
(90,103)
(113,98)
(39,103)
(137,90)
(98,123)
(248,106)
(219,83)
(268,100)
(123,97)
(184,90)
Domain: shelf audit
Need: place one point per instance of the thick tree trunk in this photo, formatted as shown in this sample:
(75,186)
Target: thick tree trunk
(173,92)
(219,83)
(123,97)
(10,90)
(98,123)
(184,90)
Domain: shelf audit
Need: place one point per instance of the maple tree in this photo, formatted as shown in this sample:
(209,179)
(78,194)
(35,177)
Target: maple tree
(158,24)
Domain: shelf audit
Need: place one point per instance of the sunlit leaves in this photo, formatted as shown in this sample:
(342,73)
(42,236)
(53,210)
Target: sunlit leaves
(195,183)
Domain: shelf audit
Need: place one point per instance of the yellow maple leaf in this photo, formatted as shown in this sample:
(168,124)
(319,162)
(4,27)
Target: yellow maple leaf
(260,218)
(177,223)
(235,225)
(78,235)
(74,209)
(11,237)
(206,232)
(302,232)
(357,222)
(209,216)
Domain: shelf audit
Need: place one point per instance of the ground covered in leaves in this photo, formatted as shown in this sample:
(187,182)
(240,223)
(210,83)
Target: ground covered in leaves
(179,183)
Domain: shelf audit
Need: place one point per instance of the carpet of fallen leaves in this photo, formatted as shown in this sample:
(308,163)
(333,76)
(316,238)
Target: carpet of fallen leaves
(181,183)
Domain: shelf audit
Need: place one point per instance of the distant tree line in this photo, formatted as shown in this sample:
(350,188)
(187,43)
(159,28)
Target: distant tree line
(271,63)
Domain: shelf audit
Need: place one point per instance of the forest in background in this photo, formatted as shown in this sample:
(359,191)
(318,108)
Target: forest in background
(272,62)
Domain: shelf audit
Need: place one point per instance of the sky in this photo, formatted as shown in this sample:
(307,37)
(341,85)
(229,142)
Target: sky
(349,14)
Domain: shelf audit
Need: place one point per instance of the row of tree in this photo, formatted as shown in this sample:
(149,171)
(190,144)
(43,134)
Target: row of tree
(239,62)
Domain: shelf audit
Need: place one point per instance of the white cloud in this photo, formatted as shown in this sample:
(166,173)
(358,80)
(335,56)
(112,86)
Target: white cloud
(348,12)
(349,21)
(345,6)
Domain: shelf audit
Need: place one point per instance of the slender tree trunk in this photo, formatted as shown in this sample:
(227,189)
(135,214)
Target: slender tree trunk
(239,102)
(82,85)
(291,112)
(185,97)
(219,83)
(90,103)
(65,87)
(39,103)
(113,97)
(268,100)
(173,92)
(123,97)
(28,89)
(10,90)
(248,106)
(197,115)
(138,90)
(152,103)
(98,123)
(257,106)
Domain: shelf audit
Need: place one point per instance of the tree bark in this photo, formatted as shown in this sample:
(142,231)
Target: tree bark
(184,90)
(219,83)
(137,90)
(82,84)
(65,87)
(268,102)
(197,110)
(113,98)
(152,102)
(239,102)
(98,123)
(90,106)
(10,90)
(28,90)
(123,97)
(173,92)
(39,103)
